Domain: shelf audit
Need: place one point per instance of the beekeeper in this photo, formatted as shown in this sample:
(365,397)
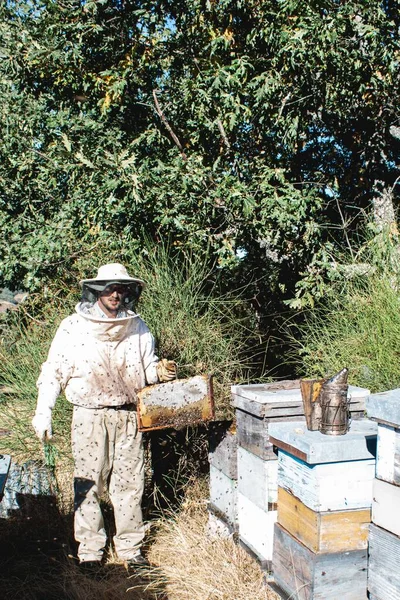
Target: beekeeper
(101,356)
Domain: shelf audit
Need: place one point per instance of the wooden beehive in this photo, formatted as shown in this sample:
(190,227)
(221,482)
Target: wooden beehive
(331,531)
(324,501)
(177,404)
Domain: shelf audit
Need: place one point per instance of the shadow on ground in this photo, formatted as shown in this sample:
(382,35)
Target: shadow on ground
(37,549)
(37,559)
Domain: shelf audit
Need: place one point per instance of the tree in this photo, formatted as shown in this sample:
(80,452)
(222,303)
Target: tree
(254,129)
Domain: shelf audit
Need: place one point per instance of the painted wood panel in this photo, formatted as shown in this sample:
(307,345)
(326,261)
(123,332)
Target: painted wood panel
(314,447)
(282,399)
(252,434)
(326,487)
(223,495)
(256,527)
(337,531)
(217,527)
(223,452)
(305,575)
(385,407)
(383,566)
(388,454)
(386,506)
(258,479)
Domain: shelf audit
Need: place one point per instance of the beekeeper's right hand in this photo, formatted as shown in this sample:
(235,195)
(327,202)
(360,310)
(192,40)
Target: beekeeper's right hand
(41,422)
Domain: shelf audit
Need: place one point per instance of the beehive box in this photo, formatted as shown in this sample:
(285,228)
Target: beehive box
(325,486)
(383,566)
(328,486)
(385,409)
(256,529)
(223,496)
(384,538)
(259,405)
(386,506)
(323,532)
(257,479)
(223,449)
(388,454)
(305,575)
(177,404)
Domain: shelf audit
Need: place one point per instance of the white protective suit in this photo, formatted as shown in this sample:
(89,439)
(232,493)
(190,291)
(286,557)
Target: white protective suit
(101,364)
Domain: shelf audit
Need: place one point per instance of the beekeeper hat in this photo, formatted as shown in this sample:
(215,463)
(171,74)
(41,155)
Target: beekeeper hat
(109,274)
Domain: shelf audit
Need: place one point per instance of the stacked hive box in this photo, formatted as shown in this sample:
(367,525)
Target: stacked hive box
(223,480)
(384,544)
(324,501)
(257,408)
(5,461)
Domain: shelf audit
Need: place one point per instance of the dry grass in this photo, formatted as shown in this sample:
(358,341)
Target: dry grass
(37,551)
(37,557)
(192,565)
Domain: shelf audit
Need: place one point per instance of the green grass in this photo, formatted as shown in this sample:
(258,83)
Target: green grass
(359,328)
(21,354)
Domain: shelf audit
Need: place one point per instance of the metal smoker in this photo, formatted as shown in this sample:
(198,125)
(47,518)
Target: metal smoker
(326,404)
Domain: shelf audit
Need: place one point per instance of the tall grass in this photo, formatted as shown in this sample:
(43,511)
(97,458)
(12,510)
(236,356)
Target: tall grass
(359,328)
(194,325)
(203,330)
(21,355)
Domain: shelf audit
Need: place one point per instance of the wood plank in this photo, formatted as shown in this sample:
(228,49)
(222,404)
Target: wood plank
(385,506)
(267,400)
(357,444)
(305,575)
(388,454)
(383,567)
(223,495)
(256,527)
(385,407)
(223,451)
(327,487)
(257,479)
(338,531)
(252,434)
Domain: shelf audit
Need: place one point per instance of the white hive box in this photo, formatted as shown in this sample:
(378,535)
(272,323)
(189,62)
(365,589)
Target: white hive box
(388,454)
(385,409)
(258,479)
(386,506)
(384,538)
(327,473)
(223,496)
(256,529)
(217,528)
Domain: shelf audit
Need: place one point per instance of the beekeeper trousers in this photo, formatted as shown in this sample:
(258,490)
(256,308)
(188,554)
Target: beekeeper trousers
(108,451)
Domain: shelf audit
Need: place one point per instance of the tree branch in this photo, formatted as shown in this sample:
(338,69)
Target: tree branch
(167,125)
(223,134)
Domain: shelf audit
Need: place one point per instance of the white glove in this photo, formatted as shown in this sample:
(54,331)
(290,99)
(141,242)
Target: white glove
(166,370)
(41,423)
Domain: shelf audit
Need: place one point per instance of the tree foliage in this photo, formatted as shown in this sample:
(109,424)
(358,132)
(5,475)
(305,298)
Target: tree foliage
(254,129)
